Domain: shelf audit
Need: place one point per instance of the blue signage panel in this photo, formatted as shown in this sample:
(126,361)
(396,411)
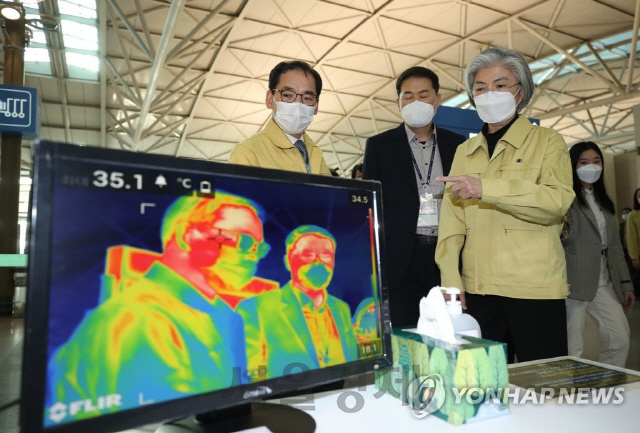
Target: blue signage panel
(464,121)
(20,111)
(460,120)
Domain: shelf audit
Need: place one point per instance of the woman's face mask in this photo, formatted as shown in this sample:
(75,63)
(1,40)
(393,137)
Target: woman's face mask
(589,173)
(494,107)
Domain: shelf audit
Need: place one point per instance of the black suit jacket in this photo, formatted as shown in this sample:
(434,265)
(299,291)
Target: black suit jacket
(387,158)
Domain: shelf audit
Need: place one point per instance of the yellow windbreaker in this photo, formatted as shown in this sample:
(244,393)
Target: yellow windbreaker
(633,234)
(270,148)
(510,238)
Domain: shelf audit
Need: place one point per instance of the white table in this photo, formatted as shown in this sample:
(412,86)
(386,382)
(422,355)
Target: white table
(387,414)
(366,409)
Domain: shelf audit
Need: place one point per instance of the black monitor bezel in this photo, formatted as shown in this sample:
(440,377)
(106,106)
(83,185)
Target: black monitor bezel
(37,314)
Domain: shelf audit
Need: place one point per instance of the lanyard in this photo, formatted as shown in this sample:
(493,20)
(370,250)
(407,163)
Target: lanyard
(415,163)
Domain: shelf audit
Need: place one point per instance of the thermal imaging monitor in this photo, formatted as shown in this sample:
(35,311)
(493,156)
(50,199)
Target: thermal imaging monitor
(160,288)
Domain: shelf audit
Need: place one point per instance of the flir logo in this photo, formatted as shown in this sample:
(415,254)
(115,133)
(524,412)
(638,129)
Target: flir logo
(426,395)
(59,411)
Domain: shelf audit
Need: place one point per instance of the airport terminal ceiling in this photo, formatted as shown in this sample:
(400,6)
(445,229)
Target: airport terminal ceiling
(188,77)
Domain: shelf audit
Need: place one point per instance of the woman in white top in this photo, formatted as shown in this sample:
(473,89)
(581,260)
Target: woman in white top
(599,282)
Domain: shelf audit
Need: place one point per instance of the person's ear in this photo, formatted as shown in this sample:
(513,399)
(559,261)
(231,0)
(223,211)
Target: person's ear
(522,97)
(286,262)
(436,103)
(269,100)
(182,236)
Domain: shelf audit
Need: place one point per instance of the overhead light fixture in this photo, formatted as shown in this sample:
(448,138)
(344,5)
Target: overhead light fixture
(11,11)
(45,22)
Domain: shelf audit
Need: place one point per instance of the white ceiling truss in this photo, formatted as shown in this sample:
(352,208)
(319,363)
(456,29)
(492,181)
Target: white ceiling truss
(188,78)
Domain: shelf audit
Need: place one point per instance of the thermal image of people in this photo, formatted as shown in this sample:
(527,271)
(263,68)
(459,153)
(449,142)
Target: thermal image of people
(365,321)
(225,243)
(301,325)
(166,323)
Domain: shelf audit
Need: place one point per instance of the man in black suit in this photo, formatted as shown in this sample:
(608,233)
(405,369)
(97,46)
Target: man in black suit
(407,160)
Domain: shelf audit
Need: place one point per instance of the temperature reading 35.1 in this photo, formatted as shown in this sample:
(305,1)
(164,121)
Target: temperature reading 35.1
(115,180)
(135,180)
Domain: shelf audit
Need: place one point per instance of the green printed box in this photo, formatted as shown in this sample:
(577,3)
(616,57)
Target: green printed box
(460,383)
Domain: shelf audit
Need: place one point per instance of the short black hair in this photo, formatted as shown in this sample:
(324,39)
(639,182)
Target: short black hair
(420,72)
(356,168)
(282,67)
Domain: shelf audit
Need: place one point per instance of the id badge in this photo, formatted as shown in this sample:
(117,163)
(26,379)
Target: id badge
(428,215)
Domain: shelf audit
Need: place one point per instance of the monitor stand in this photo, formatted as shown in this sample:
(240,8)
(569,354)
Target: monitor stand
(278,418)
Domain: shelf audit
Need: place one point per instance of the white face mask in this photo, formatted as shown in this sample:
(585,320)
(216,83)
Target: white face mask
(494,107)
(418,114)
(293,117)
(589,173)
(624,216)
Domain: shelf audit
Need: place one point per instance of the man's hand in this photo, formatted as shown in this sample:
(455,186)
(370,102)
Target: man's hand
(463,301)
(635,263)
(629,300)
(463,186)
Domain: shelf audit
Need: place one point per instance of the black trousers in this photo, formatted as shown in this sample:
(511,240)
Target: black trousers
(422,274)
(532,328)
(635,279)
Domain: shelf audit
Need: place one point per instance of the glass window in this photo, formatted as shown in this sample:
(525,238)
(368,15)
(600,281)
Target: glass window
(78,8)
(79,29)
(78,35)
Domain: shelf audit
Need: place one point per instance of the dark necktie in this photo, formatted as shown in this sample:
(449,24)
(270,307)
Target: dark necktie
(299,144)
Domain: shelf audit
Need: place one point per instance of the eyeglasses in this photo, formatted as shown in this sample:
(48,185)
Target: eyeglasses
(241,241)
(307,256)
(479,89)
(290,96)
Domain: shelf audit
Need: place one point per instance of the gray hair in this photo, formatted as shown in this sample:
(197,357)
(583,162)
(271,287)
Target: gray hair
(510,59)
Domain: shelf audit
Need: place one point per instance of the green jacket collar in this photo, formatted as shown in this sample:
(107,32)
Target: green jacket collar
(170,282)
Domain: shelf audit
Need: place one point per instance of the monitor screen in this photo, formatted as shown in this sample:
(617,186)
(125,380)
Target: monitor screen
(160,287)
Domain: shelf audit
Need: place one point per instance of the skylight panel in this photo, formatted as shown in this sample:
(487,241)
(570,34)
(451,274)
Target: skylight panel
(613,40)
(78,28)
(78,8)
(78,35)
(37,61)
(84,61)
(30,4)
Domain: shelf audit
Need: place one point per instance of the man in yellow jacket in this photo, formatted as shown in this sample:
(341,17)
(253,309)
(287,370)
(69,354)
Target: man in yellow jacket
(293,95)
